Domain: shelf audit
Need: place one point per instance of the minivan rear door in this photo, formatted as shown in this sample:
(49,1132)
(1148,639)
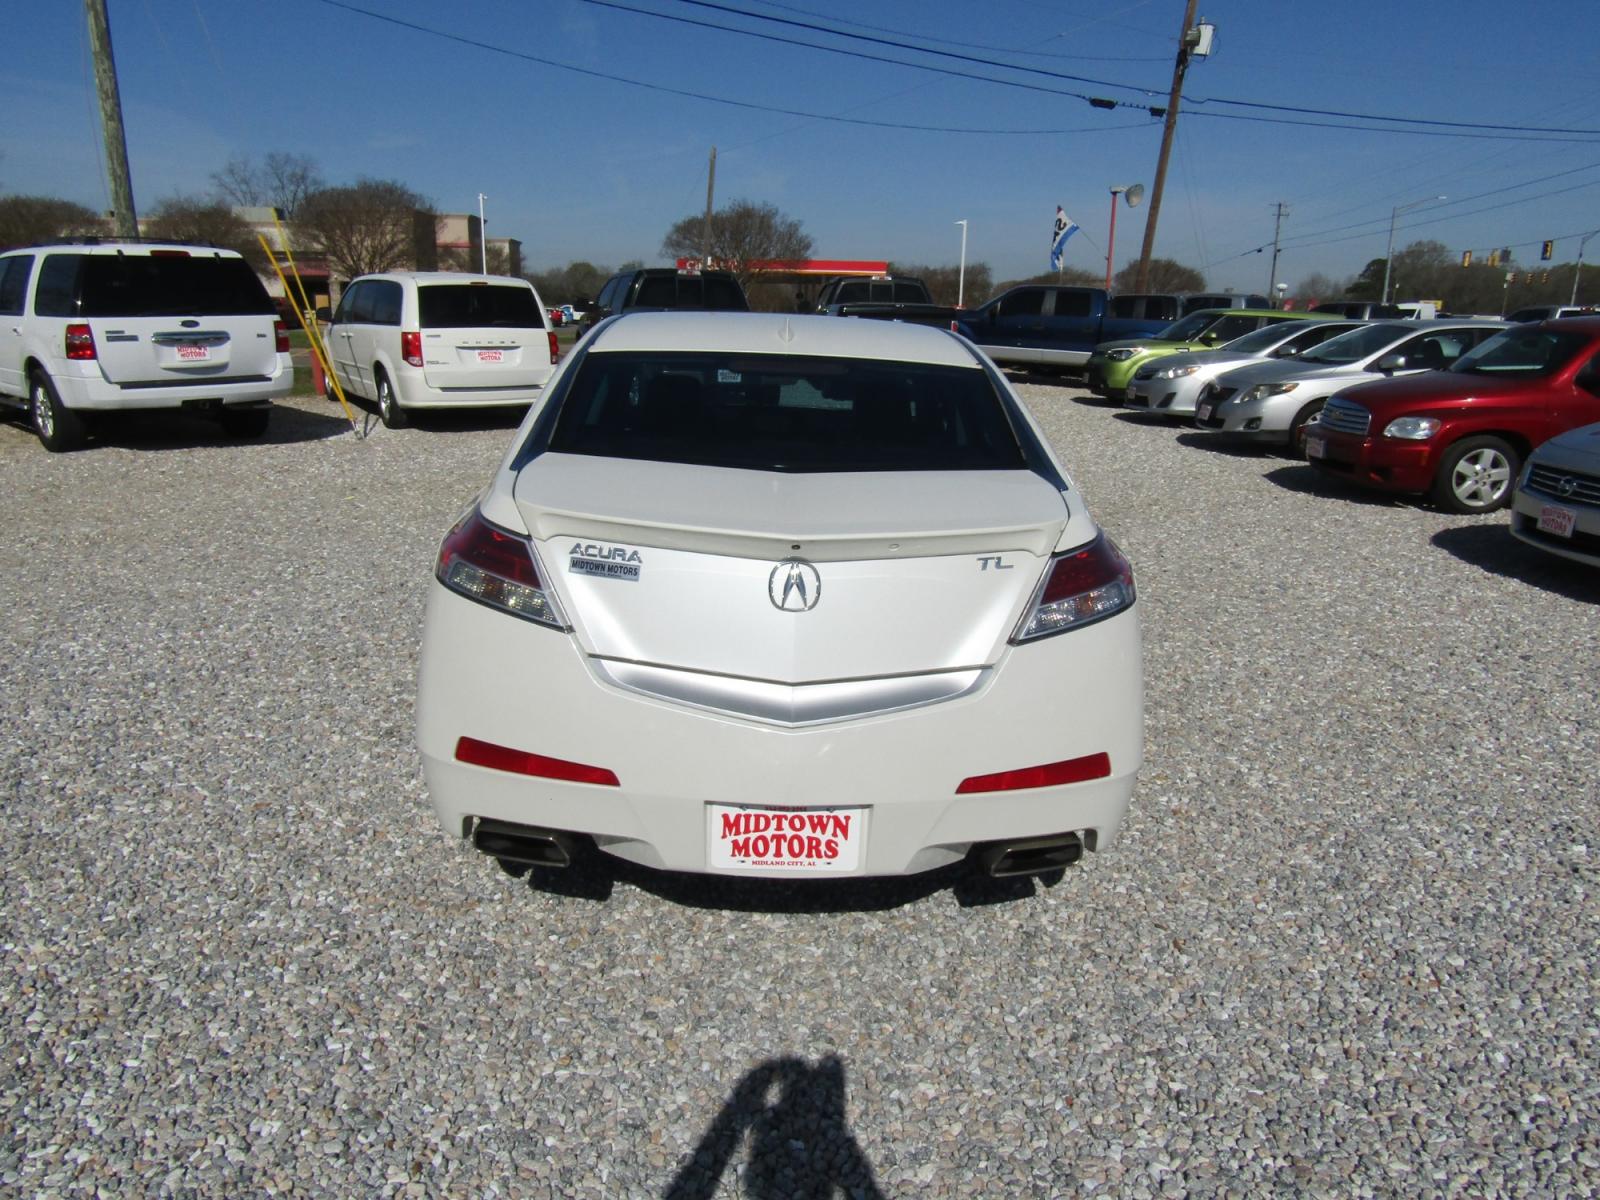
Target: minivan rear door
(477,334)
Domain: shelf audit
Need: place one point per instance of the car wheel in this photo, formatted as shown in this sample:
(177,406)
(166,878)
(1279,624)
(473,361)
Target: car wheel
(1297,428)
(59,428)
(1476,475)
(244,422)
(389,410)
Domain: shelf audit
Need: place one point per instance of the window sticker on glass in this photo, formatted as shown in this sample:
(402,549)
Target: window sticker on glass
(726,376)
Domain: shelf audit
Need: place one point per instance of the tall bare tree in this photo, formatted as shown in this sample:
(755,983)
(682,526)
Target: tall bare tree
(26,220)
(741,233)
(371,225)
(280,180)
(211,222)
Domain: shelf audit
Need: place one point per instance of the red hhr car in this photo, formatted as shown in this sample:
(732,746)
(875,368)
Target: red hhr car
(1461,434)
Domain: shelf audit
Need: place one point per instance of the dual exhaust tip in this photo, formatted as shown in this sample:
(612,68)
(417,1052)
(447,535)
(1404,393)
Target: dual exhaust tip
(527,846)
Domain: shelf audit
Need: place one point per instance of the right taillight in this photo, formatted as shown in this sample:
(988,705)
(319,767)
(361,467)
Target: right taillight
(496,567)
(411,347)
(555,349)
(80,342)
(1082,586)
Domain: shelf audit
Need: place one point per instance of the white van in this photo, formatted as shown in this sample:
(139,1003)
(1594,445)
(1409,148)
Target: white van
(91,326)
(441,339)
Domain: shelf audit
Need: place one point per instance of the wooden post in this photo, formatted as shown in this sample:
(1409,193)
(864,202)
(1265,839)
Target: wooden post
(124,219)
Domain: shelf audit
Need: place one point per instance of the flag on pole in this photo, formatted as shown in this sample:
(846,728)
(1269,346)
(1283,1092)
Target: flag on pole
(1065,227)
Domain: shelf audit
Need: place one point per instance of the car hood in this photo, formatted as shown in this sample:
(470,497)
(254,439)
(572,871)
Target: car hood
(1574,446)
(1445,387)
(1275,370)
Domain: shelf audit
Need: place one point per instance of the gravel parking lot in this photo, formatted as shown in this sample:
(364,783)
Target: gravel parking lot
(1346,947)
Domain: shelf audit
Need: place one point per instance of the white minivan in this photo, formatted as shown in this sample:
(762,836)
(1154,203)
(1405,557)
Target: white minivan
(441,339)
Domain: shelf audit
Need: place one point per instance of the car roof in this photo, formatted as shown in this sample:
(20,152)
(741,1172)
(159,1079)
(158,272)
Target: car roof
(780,333)
(433,277)
(1287,314)
(126,247)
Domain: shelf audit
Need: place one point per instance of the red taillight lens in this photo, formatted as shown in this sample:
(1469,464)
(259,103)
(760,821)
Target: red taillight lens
(280,333)
(496,567)
(1072,770)
(523,762)
(1083,586)
(555,350)
(411,348)
(80,342)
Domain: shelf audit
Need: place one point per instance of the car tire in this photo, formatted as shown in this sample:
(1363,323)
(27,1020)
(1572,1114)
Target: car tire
(58,427)
(1476,475)
(1297,428)
(244,422)
(390,411)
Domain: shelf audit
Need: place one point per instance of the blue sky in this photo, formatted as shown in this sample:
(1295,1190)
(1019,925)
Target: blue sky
(579,165)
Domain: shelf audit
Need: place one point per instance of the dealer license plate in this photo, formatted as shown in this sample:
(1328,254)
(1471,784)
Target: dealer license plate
(789,841)
(491,355)
(1316,447)
(1557,520)
(188,352)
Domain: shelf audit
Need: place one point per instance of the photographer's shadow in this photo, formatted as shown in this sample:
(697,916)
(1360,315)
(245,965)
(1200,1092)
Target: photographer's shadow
(793,1117)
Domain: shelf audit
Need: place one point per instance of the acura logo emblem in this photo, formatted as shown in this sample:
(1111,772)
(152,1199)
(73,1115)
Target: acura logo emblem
(1567,486)
(794,586)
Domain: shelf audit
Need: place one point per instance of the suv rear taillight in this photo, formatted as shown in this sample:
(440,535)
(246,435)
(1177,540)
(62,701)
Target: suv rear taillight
(1081,587)
(80,342)
(411,348)
(494,566)
(280,332)
(555,349)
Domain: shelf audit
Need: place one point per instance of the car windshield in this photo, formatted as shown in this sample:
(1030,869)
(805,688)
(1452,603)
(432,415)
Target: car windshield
(1527,352)
(782,413)
(478,306)
(1188,329)
(1355,345)
(1259,341)
(165,283)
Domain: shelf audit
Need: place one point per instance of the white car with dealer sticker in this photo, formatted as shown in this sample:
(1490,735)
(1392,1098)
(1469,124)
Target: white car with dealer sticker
(781,596)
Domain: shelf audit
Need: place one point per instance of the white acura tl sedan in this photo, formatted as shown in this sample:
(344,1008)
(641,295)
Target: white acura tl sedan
(781,596)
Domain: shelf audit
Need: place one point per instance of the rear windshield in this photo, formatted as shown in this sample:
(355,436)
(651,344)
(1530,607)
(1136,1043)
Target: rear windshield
(776,413)
(149,285)
(689,291)
(1527,352)
(478,306)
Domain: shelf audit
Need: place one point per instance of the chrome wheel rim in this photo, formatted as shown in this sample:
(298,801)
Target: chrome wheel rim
(44,416)
(385,400)
(1481,478)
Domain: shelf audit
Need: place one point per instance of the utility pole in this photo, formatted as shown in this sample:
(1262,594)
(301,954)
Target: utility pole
(124,219)
(1277,225)
(711,185)
(1186,42)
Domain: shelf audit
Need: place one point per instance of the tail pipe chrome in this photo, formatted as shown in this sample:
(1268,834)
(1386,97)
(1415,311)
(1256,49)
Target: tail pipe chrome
(523,844)
(1029,856)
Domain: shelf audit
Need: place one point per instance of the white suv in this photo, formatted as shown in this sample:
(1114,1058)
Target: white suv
(92,326)
(441,339)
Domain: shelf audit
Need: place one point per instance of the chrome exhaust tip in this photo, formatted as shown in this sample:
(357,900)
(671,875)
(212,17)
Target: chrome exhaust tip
(523,844)
(1029,856)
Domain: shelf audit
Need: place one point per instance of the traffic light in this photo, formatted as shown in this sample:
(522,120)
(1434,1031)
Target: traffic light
(1546,254)
(1466,258)
(1494,258)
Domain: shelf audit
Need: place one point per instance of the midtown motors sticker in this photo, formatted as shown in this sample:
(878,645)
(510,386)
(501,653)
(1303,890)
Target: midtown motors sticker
(785,840)
(608,562)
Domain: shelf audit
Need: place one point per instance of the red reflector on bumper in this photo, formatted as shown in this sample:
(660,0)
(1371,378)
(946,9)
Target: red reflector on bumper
(523,762)
(1073,770)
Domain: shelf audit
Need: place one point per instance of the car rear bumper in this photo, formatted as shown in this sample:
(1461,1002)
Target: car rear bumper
(413,391)
(1381,463)
(508,682)
(87,388)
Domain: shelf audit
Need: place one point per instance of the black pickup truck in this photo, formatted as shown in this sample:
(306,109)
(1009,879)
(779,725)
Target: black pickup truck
(902,298)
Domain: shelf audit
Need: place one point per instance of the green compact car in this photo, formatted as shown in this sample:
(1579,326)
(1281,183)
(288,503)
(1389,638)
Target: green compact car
(1111,366)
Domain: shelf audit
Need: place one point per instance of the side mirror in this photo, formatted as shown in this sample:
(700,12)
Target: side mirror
(1589,380)
(325,314)
(1390,362)
(1285,352)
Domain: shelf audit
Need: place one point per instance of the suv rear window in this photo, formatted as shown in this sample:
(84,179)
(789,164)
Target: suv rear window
(149,285)
(478,305)
(689,291)
(778,413)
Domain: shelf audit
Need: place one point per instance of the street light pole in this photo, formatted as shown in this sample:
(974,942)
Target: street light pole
(961,279)
(483,237)
(1579,269)
(1388,255)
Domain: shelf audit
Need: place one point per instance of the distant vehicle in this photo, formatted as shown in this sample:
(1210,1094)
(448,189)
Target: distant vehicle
(1460,435)
(1547,312)
(665,288)
(557,317)
(440,339)
(571,314)
(903,298)
(781,596)
(1360,310)
(1195,301)
(1112,365)
(1054,325)
(91,326)
(1419,310)
(1556,504)
(1171,386)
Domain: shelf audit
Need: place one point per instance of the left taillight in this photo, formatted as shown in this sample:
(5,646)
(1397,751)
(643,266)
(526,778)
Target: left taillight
(80,342)
(411,347)
(280,333)
(496,567)
(555,348)
(1082,586)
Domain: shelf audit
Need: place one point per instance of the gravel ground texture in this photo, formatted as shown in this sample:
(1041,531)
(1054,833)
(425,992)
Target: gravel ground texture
(1346,947)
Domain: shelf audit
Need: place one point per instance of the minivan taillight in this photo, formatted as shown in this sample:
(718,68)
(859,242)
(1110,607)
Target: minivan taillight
(555,348)
(80,342)
(411,348)
(1082,586)
(280,333)
(496,567)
